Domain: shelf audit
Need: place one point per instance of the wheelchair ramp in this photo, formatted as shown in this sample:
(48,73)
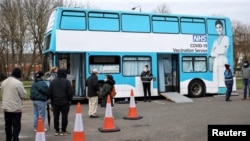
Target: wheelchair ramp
(176,97)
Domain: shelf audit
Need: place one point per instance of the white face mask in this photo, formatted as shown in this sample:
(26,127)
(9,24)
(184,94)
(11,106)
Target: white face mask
(105,79)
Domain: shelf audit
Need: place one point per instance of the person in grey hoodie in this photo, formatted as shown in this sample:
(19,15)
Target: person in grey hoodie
(13,93)
(245,78)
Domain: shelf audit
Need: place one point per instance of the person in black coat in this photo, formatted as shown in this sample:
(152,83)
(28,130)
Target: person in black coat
(92,93)
(109,83)
(146,77)
(60,92)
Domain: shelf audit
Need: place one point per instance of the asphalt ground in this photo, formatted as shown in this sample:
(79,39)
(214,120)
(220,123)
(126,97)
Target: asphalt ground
(162,120)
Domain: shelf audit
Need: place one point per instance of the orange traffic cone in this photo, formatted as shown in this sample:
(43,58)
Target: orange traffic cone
(40,135)
(132,112)
(78,134)
(108,124)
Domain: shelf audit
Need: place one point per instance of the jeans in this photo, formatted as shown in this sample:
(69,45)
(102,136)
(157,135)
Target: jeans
(12,125)
(39,110)
(246,87)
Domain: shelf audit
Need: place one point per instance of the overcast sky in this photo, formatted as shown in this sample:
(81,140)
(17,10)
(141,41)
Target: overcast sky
(235,9)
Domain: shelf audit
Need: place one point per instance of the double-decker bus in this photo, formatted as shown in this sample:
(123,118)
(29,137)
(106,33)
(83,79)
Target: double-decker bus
(185,53)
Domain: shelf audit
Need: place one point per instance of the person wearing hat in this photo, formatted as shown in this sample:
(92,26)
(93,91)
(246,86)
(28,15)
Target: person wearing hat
(228,81)
(92,93)
(13,92)
(38,94)
(61,94)
(146,77)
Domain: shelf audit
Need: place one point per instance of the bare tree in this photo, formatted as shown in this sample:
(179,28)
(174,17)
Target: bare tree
(162,8)
(241,34)
(37,13)
(13,29)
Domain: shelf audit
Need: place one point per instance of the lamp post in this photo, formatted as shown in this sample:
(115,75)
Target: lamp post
(133,8)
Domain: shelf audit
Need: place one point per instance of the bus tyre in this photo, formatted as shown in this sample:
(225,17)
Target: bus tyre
(196,88)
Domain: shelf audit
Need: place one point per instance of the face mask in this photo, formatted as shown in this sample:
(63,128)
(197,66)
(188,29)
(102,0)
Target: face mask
(145,70)
(105,79)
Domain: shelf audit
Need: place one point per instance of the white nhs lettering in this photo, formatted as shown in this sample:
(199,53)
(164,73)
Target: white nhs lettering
(199,38)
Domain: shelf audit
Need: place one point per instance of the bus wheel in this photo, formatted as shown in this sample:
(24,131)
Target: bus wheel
(196,88)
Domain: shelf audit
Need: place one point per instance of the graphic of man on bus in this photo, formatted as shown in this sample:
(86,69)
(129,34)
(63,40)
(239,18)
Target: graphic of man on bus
(219,54)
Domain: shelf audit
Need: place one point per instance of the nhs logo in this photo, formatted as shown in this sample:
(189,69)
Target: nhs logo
(199,38)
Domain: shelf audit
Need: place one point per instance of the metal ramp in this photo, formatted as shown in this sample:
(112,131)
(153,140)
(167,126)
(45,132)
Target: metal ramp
(176,97)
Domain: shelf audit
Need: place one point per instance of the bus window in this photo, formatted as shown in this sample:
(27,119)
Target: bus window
(64,62)
(194,64)
(165,24)
(73,20)
(105,64)
(103,21)
(135,62)
(47,63)
(46,44)
(135,23)
(193,25)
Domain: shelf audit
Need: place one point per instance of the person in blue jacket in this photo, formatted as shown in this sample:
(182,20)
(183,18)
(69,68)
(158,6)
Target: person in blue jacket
(228,81)
(38,94)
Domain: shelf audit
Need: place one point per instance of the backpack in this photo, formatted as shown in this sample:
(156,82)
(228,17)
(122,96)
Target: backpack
(113,92)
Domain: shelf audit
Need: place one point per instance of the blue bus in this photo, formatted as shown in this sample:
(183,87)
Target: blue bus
(185,53)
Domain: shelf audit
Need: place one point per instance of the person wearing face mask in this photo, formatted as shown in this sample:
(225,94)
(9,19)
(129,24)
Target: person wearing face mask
(92,93)
(146,77)
(219,54)
(109,83)
(245,77)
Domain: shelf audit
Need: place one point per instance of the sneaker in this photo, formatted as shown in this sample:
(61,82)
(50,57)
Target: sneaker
(34,130)
(45,129)
(56,133)
(66,133)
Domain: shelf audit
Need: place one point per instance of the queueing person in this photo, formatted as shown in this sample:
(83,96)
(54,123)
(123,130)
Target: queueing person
(109,83)
(38,94)
(60,92)
(93,93)
(13,92)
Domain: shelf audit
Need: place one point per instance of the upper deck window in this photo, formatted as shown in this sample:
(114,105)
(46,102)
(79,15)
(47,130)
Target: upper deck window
(135,23)
(73,20)
(103,21)
(193,25)
(165,24)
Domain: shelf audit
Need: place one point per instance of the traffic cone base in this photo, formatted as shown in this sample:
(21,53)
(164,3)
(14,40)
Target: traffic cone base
(132,112)
(133,118)
(108,123)
(116,129)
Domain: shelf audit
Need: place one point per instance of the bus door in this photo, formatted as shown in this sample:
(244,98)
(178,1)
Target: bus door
(75,64)
(168,73)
